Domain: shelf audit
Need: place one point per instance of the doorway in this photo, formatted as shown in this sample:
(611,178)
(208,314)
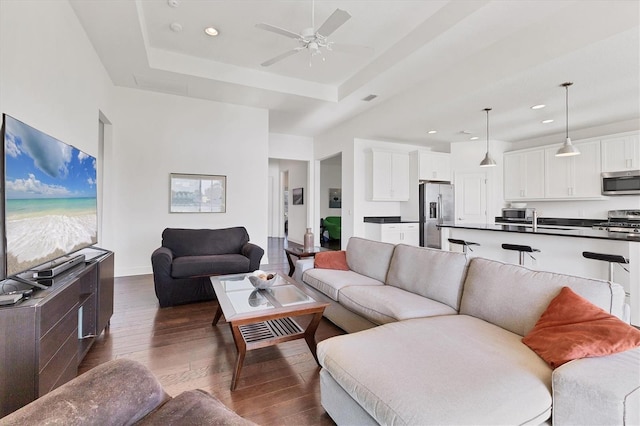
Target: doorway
(330,202)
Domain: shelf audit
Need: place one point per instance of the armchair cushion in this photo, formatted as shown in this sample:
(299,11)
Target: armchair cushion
(190,266)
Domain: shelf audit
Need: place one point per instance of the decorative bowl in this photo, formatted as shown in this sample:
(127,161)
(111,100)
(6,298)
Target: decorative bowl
(260,281)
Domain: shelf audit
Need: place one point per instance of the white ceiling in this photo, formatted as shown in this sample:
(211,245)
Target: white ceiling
(434,64)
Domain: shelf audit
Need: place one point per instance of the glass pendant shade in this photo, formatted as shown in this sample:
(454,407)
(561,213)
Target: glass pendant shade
(567,149)
(487,161)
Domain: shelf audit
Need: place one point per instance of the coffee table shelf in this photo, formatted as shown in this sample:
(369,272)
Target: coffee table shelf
(272,329)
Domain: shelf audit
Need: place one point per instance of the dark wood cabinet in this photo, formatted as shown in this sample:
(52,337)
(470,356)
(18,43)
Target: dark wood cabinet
(44,338)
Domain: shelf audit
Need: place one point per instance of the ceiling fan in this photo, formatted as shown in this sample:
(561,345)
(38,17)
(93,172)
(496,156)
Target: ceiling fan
(315,40)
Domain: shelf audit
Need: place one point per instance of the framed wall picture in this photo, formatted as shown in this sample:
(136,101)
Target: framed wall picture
(335,198)
(197,193)
(298,196)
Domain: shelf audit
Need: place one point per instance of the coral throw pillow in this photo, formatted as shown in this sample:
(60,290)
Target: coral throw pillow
(572,328)
(331,260)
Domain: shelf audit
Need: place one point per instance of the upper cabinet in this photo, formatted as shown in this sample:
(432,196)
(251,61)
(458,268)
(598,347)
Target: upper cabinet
(620,154)
(524,175)
(573,177)
(389,176)
(434,166)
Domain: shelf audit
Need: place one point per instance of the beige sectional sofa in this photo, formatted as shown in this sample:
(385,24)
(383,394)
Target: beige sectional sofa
(441,343)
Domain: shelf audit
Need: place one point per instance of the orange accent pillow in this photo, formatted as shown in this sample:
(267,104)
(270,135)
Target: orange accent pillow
(331,260)
(572,328)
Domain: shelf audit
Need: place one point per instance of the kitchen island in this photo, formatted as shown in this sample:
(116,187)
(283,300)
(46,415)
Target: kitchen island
(561,248)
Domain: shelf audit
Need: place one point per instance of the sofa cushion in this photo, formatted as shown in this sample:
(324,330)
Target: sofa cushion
(370,258)
(194,242)
(331,281)
(513,297)
(572,328)
(431,273)
(331,260)
(476,373)
(197,408)
(193,266)
(385,304)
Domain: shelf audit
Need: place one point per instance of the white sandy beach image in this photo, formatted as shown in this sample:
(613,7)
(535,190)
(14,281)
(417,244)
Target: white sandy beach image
(65,233)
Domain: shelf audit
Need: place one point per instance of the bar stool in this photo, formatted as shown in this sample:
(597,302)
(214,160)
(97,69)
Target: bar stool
(522,250)
(611,258)
(464,244)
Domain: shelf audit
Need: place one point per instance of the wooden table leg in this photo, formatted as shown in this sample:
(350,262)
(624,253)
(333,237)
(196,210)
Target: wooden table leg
(241,346)
(216,318)
(310,334)
(292,266)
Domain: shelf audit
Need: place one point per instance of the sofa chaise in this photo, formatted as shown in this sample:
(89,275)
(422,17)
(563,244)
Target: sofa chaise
(442,343)
(122,392)
(187,257)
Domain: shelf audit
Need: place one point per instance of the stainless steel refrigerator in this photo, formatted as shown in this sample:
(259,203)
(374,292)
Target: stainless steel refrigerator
(436,206)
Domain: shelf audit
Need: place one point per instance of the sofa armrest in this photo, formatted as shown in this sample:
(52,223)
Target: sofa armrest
(301,266)
(254,253)
(121,392)
(597,391)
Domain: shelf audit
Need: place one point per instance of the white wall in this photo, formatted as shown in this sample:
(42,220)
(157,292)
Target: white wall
(157,134)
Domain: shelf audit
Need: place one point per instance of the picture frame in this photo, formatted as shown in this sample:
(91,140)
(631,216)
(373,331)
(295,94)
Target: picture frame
(335,198)
(197,193)
(298,196)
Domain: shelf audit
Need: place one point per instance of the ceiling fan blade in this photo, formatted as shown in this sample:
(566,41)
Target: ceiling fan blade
(278,30)
(281,56)
(333,22)
(351,48)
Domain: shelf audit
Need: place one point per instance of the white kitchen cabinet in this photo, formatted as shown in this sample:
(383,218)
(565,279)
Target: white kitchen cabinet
(394,233)
(434,166)
(389,176)
(573,177)
(620,154)
(524,175)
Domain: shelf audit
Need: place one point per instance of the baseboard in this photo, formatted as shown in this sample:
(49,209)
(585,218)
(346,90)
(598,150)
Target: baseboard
(127,272)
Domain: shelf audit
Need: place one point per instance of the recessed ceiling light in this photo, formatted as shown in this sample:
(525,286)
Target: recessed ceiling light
(465,132)
(210,31)
(539,106)
(474,138)
(547,121)
(173,3)
(431,132)
(175,27)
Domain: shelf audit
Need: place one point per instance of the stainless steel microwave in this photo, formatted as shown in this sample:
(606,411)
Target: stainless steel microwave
(514,214)
(621,183)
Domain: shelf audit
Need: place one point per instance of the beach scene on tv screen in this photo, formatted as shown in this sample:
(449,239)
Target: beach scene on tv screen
(50,197)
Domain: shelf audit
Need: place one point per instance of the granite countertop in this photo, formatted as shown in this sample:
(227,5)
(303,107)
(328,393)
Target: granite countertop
(387,219)
(546,229)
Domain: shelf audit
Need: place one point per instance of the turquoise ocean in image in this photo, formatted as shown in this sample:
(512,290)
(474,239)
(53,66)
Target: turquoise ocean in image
(18,208)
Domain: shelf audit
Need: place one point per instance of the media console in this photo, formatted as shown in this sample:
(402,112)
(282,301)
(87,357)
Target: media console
(45,337)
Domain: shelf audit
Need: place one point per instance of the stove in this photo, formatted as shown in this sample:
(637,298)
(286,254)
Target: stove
(625,221)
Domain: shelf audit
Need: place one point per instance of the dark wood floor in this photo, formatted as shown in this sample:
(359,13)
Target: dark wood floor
(279,385)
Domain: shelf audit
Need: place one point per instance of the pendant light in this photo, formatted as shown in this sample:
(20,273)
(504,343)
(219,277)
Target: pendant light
(487,161)
(567,149)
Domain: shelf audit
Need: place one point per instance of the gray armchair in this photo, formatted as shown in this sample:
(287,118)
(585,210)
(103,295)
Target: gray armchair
(188,257)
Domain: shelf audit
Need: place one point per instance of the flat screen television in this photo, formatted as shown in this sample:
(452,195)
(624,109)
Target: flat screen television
(50,198)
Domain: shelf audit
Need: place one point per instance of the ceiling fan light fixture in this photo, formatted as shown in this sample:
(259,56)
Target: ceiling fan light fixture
(487,161)
(567,149)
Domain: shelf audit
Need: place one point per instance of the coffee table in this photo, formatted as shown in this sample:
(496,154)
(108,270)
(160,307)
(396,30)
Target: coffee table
(260,318)
(301,254)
